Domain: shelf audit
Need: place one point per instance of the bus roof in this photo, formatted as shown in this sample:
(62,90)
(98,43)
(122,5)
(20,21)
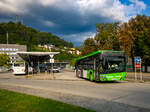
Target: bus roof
(96,52)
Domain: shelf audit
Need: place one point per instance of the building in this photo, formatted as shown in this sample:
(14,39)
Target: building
(47,46)
(78,52)
(11,49)
(74,51)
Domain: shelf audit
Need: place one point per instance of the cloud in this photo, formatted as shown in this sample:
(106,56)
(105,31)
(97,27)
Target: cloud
(78,38)
(81,36)
(134,8)
(48,23)
(140,5)
(47,2)
(14,6)
(71,19)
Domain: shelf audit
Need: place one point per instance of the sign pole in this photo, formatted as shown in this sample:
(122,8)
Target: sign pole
(141,71)
(52,61)
(135,70)
(138,67)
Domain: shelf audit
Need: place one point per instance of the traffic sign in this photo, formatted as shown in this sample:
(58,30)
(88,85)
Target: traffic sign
(51,55)
(51,60)
(138,65)
(137,60)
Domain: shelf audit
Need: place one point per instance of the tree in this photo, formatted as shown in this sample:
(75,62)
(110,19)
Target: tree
(89,46)
(21,34)
(126,38)
(64,56)
(134,38)
(72,62)
(4,60)
(106,37)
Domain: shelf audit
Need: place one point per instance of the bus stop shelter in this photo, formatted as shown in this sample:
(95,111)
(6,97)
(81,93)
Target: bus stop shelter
(35,58)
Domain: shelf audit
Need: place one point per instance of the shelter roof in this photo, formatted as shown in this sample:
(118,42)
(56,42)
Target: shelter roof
(36,56)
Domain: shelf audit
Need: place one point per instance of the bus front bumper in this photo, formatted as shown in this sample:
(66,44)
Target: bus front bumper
(113,76)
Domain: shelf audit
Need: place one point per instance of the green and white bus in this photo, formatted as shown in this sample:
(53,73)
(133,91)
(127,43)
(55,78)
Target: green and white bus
(102,65)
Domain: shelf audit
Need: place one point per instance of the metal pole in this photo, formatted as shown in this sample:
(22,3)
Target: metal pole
(7,37)
(141,70)
(38,65)
(135,68)
(52,74)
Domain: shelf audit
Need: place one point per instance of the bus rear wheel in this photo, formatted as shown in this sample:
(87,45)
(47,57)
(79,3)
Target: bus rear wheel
(91,76)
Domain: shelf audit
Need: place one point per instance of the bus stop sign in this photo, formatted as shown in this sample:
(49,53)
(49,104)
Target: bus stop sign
(138,66)
(51,60)
(137,60)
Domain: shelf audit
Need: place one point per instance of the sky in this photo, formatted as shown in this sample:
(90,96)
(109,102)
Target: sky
(72,20)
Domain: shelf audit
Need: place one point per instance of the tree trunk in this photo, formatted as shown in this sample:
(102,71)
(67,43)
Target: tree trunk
(146,67)
(132,57)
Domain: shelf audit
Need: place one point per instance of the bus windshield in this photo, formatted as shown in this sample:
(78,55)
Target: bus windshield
(114,64)
(19,64)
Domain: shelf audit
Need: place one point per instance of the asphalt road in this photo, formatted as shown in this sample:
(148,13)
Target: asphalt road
(103,97)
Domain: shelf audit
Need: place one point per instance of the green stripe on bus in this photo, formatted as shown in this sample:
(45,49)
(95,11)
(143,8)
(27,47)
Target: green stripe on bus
(96,52)
(113,76)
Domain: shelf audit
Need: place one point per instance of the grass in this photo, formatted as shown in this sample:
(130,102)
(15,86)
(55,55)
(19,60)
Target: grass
(17,102)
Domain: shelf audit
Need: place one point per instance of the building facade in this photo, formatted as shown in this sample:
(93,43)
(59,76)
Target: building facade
(11,49)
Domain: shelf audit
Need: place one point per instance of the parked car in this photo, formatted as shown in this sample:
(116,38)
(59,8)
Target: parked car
(55,69)
(19,68)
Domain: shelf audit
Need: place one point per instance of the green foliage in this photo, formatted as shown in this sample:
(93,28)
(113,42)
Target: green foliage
(65,56)
(4,60)
(38,49)
(135,37)
(17,102)
(106,37)
(21,34)
(89,46)
(126,38)
(72,62)
(142,46)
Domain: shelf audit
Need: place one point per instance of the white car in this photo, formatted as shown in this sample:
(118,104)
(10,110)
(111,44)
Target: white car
(18,68)
(55,69)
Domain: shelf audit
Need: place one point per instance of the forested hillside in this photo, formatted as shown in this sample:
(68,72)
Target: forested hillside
(21,34)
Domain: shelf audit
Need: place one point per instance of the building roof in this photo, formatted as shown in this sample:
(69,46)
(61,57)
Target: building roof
(38,53)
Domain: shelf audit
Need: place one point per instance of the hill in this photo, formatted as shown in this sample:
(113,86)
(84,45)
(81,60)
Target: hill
(23,35)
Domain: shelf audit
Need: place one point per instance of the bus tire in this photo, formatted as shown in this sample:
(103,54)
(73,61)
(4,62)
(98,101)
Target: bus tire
(90,77)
